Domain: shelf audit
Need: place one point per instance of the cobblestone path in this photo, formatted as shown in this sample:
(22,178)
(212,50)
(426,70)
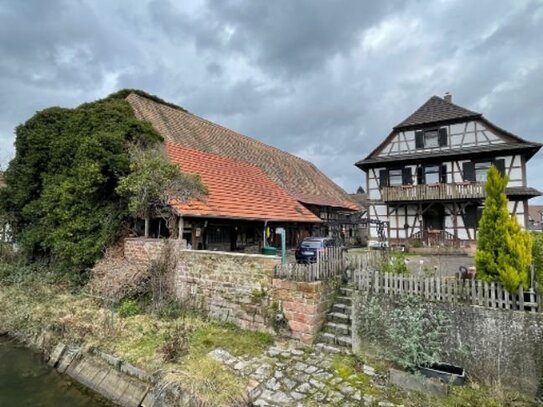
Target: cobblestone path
(293,377)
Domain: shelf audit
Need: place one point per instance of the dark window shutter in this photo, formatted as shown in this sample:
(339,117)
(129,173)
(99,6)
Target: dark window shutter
(420,176)
(407,176)
(500,165)
(468,169)
(442,136)
(383,178)
(470,217)
(443,174)
(419,142)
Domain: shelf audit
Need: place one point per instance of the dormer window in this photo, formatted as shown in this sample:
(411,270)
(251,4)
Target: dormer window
(431,138)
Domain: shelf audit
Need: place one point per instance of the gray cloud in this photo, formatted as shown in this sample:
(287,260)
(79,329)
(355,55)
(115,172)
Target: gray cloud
(324,80)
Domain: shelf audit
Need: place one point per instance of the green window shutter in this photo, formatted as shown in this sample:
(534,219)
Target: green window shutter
(419,139)
(443,136)
(470,217)
(407,176)
(420,175)
(468,171)
(383,178)
(500,165)
(443,174)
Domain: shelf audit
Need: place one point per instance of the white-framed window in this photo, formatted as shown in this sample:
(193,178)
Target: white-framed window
(431,139)
(481,170)
(432,174)
(395,177)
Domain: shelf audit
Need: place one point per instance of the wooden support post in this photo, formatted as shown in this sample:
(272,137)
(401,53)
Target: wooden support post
(181,227)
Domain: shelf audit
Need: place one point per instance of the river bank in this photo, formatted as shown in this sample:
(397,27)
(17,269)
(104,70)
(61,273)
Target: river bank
(170,349)
(22,369)
(179,358)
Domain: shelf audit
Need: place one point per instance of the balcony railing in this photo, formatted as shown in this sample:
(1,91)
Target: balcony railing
(462,190)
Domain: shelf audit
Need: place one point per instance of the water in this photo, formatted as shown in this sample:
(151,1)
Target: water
(25,380)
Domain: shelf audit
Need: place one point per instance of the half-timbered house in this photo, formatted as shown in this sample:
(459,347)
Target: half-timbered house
(426,179)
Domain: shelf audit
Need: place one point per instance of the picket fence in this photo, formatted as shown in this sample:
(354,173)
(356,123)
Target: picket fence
(446,289)
(328,264)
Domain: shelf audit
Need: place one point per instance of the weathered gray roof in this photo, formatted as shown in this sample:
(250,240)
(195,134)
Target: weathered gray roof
(436,110)
(528,192)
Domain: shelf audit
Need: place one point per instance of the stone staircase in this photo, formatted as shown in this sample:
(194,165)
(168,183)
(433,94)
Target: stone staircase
(336,334)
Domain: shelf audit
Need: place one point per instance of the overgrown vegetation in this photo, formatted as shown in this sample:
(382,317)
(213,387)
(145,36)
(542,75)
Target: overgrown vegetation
(504,250)
(393,262)
(76,176)
(410,333)
(172,348)
(151,185)
(537,254)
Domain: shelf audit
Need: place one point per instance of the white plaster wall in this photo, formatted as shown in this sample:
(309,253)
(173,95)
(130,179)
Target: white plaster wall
(461,135)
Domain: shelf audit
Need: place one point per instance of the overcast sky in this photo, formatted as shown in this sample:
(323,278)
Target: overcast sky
(325,80)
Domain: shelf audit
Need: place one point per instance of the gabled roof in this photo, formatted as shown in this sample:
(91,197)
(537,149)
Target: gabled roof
(535,212)
(298,177)
(441,111)
(236,190)
(437,110)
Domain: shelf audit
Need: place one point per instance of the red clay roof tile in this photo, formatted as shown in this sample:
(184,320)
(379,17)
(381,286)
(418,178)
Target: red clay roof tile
(235,189)
(300,178)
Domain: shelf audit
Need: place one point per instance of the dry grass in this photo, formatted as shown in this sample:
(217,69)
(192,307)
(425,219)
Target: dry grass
(31,308)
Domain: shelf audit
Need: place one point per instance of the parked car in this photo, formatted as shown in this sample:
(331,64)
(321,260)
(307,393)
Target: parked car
(307,251)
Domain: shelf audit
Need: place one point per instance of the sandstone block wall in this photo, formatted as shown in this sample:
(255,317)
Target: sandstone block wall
(231,287)
(143,251)
(239,288)
(305,305)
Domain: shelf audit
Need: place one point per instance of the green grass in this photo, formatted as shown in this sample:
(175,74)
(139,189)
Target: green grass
(230,338)
(31,307)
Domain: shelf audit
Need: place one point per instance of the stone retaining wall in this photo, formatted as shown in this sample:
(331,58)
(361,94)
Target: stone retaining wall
(305,305)
(144,251)
(231,287)
(494,346)
(239,288)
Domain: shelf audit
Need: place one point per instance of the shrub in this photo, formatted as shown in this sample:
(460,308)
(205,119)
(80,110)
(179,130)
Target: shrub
(61,198)
(504,251)
(176,343)
(128,308)
(410,333)
(393,262)
(537,253)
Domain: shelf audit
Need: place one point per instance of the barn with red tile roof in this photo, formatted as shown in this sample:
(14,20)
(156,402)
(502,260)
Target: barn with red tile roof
(253,187)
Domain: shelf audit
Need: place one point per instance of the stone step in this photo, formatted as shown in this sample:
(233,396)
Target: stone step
(339,317)
(337,328)
(344,340)
(343,308)
(327,337)
(326,348)
(346,291)
(344,300)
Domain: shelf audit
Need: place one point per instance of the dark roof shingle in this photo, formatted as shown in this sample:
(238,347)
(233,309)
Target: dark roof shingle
(436,110)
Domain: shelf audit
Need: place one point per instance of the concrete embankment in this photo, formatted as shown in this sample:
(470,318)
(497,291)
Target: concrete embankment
(111,377)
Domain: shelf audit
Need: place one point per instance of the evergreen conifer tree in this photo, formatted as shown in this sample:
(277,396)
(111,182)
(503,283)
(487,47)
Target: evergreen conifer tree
(504,250)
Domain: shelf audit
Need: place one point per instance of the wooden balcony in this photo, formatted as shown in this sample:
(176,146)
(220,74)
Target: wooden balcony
(431,192)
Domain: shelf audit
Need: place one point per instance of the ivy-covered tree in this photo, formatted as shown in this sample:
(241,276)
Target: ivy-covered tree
(504,250)
(154,183)
(61,197)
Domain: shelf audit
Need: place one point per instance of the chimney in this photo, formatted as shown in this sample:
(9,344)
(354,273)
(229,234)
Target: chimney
(447,97)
